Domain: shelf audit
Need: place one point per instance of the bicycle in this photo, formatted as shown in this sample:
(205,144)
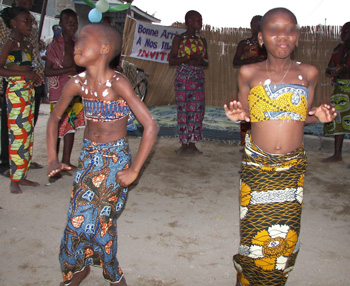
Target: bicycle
(137,77)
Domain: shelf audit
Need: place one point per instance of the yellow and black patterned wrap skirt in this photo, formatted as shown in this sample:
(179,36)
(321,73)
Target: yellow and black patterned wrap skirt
(271,201)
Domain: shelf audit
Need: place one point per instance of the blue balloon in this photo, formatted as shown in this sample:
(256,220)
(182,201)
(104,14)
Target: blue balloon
(95,16)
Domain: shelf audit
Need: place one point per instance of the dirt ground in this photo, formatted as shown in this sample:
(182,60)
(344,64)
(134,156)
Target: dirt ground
(181,222)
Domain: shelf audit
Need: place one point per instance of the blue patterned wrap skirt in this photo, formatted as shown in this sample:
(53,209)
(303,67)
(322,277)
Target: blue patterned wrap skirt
(90,237)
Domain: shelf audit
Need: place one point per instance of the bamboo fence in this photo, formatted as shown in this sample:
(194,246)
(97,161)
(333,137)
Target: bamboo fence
(315,47)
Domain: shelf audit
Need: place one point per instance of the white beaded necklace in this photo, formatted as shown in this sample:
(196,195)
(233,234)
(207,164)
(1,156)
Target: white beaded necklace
(270,78)
(107,85)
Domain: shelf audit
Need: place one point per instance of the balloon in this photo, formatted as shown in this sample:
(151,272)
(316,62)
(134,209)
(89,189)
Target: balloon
(95,16)
(102,6)
(121,7)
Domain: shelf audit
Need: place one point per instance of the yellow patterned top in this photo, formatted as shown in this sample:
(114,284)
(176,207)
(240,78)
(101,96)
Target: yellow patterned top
(190,46)
(278,102)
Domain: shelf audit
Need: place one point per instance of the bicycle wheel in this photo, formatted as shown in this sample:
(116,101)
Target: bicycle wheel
(141,89)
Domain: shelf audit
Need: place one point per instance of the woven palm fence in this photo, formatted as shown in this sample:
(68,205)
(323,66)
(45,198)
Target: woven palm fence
(315,47)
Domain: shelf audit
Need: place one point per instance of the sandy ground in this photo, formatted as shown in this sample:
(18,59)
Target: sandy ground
(180,225)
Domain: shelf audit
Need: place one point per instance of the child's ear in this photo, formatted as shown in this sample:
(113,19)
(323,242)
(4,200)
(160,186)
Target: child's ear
(260,39)
(13,23)
(105,49)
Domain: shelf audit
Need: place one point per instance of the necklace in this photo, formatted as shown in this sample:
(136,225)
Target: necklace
(270,78)
(105,86)
(27,45)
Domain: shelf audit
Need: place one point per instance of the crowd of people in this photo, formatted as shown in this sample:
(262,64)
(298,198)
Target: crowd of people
(275,102)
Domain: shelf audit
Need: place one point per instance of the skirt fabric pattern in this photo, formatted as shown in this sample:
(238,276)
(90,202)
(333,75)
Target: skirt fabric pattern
(190,100)
(72,119)
(20,98)
(271,201)
(340,100)
(90,237)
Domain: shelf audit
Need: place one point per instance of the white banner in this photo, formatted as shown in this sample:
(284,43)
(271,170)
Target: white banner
(153,42)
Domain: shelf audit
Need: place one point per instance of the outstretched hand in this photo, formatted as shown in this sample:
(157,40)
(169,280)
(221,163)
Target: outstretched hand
(236,111)
(324,113)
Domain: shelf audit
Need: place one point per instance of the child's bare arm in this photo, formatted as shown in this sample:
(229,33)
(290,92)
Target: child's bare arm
(238,110)
(150,131)
(70,90)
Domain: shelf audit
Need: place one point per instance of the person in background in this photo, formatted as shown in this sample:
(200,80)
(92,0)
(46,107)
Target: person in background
(276,96)
(5,32)
(248,52)
(339,69)
(189,54)
(59,68)
(105,170)
(56,29)
(16,67)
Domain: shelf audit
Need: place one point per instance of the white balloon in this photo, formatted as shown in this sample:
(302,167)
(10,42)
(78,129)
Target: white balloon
(102,6)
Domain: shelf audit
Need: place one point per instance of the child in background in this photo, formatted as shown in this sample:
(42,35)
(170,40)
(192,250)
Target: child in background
(15,65)
(59,67)
(104,172)
(249,52)
(276,97)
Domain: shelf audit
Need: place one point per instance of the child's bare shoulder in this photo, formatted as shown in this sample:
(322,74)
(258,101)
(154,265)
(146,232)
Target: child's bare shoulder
(251,70)
(77,82)
(306,69)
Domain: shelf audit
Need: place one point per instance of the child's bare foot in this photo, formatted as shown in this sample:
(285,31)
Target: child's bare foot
(192,147)
(332,159)
(68,167)
(181,150)
(122,282)
(26,182)
(78,277)
(14,188)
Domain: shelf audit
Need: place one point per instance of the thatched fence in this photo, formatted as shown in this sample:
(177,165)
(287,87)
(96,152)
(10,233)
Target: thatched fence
(315,47)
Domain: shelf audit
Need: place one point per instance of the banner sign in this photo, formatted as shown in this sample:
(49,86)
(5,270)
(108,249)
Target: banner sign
(153,42)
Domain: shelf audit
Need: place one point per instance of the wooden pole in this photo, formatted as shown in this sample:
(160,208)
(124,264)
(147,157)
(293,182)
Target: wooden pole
(42,18)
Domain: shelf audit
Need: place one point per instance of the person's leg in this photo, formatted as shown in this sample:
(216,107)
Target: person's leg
(338,146)
(180,84)
(4,156)
(20,102)
(39,94)
(68,142)
(195,111)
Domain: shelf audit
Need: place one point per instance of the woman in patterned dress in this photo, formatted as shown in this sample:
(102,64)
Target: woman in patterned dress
(189,55)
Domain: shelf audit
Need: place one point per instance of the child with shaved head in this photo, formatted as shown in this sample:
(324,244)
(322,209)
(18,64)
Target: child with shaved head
(105,171)
(276,96)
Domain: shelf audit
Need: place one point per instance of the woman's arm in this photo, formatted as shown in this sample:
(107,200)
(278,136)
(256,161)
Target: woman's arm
(173,59)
